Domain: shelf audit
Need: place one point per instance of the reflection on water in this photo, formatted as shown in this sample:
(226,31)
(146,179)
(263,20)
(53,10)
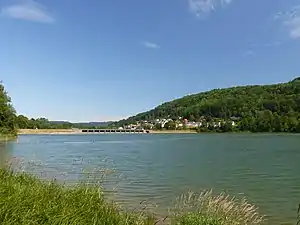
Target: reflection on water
(5,153)
(2,156)
(158,168)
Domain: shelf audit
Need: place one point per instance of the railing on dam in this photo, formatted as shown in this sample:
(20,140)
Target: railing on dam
(114,131)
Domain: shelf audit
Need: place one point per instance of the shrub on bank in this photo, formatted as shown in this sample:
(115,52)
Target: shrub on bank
(7,135)
(26,200)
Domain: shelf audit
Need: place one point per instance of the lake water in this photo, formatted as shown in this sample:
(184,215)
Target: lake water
(159,167)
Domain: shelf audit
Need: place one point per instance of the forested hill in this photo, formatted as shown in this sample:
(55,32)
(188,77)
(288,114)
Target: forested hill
(253,102)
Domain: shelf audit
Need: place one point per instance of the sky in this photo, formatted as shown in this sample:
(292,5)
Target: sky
(106,60)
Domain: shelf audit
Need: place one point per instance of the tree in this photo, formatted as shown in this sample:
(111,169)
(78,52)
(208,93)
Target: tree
(7,114)
(22,122)
(171,125)
(158,126)
(278,125)
(226,127)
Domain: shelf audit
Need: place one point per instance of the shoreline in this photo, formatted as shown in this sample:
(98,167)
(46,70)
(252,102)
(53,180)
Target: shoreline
(48,131)
(7,138)
(78,132)
(173,132)
(70,131)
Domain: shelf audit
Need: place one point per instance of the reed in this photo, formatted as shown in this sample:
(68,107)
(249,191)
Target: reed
(208,209)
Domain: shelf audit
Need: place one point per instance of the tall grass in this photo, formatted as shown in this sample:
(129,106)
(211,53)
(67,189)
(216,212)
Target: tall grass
(26,200)
(208,209)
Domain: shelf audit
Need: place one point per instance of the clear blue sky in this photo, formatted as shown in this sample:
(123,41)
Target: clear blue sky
(103,60)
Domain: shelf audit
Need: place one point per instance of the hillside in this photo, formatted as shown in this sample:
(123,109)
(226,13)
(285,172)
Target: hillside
(259,107)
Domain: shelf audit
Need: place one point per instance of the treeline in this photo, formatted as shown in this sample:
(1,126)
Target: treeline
(22,122)
(261,108)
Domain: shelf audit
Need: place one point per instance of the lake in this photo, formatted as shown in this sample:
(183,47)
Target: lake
(157,168)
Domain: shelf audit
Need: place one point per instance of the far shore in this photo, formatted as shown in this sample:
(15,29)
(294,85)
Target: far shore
(49,131)
(71,131)
(173,132)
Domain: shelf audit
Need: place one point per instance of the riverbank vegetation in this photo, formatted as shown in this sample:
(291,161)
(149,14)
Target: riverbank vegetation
(8,128)
(208,209)
(26,200)
(254,108)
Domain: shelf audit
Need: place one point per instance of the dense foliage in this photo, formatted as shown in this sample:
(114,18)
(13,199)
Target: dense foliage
(7,114)
(260,108)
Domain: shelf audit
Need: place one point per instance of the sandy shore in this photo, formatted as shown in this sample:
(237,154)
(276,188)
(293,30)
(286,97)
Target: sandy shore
(49,131)
(70,131)
(173,132)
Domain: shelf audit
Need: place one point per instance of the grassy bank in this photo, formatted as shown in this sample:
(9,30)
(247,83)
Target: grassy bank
(27,200)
